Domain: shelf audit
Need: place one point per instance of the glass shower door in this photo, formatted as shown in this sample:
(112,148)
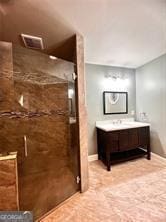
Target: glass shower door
(43,130)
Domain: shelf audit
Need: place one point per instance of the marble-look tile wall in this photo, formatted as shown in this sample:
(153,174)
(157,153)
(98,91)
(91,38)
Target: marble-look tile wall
(8,183)
(6,76)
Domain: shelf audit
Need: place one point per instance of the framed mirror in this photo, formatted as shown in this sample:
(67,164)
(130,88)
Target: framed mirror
(115,102)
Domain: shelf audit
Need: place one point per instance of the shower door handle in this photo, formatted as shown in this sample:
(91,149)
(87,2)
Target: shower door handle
(25,146)
(74,76)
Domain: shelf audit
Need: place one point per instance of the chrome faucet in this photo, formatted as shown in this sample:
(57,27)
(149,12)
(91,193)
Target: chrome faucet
(118,121)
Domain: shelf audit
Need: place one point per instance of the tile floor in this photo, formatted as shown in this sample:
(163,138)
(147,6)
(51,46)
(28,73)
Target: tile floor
(134,191)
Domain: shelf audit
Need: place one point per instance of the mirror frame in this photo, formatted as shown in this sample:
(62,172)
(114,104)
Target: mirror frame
(104,108)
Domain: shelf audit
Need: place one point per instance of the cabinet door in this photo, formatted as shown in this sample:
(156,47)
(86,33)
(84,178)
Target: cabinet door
(112,140)
(133,138)
(100,141)
(123,140)
(143,136)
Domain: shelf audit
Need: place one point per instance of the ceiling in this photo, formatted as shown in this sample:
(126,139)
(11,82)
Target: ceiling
(126,33)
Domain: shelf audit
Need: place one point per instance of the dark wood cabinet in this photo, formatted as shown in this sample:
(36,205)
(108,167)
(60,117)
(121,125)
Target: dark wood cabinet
(143,136)
(133,138)
(122,140)
(112,139)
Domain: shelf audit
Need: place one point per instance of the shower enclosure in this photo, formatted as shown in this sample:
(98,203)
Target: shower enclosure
(38,119)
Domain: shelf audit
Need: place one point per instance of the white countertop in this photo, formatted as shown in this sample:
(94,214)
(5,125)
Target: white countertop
(112,126)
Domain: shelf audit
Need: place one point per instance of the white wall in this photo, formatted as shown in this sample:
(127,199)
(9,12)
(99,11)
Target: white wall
(151,98)
(96,83)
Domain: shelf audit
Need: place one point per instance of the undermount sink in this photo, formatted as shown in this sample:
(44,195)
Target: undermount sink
(119,125)
(107,126)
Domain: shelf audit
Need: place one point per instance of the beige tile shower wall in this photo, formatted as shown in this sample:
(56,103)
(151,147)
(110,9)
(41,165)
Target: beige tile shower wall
(96,83)
(6,76)
(8,183)
(40,63)
(151,99)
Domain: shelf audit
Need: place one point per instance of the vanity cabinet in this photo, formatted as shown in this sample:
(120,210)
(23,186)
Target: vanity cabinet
(143,136)
(123,140)
(110,142)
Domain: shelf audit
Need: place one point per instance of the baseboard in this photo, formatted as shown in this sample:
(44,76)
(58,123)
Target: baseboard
(158,156)
(95,157)
(92,157)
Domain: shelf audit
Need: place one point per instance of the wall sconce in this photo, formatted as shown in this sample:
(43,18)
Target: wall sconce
(116,76)
(116,81)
